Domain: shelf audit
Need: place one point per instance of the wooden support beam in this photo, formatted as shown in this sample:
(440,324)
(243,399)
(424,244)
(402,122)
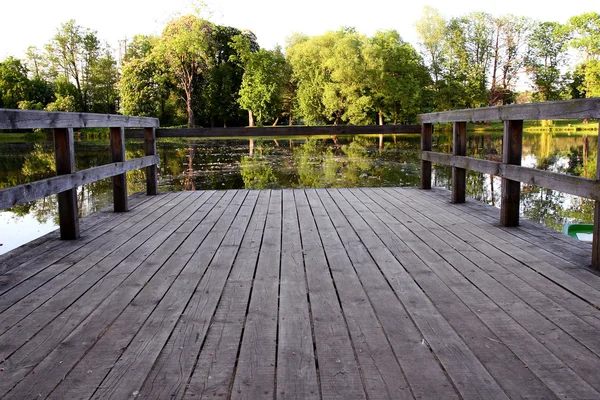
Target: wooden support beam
(117,147)
(596,233)
(426,133)
(459,175)
(151,171)
(512,148)
(64,153)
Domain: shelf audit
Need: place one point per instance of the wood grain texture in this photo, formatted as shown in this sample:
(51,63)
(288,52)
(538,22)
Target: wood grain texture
(459,175)
(512,148)
(566,109)
(64,155)
(39,189)
(28,119)
(426,133)
(328,293)
(575,185)
(269,131)
(119,182)
(152,170)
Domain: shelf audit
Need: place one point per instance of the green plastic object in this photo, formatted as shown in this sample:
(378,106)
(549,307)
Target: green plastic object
(582,232)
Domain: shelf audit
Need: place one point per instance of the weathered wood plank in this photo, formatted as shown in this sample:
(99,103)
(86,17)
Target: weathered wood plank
(339,373)
(596,232)
(119,182)
(510,318)
(21,194)
(60,285)
(512,149)
(123,312)
(296,363)
(215,369)
(100,306)
(459,175)
(64,154)
(424,375)
(575,185)
(426,133)
(147,334)
(36,247)
(255,373)
(152,170)
(28,119)
(587,283)
(492,261)
(177,360)
(35,274)
(269,131)
(566,109)
(555,242)
(374,353)
(435,309)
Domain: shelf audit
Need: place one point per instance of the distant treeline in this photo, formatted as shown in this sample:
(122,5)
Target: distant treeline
(200,73)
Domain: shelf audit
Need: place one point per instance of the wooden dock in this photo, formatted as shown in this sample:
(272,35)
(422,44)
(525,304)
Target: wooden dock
(300,294)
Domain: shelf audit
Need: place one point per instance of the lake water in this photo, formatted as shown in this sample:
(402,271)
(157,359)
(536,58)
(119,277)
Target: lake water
(345,161)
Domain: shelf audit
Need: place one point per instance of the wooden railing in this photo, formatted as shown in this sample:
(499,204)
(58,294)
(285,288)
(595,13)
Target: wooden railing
(67,179)
(510,168)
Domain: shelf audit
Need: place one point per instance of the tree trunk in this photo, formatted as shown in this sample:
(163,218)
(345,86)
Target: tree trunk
(190,111)
(380,117)
(250,118)
(276,121)
(493,91)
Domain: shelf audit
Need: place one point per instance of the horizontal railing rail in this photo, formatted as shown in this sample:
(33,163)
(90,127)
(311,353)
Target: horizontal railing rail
(29,119)
(67,180)
(510,169)
(271,131)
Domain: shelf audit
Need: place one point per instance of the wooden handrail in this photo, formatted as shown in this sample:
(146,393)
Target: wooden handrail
(566,109)
(29,119)
(266,131)
(67,179)
(510,169)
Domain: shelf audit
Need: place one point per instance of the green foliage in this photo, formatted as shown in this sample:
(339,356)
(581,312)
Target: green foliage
(257,173)
(14,85)
(185,47)
(546,55)
(263,82)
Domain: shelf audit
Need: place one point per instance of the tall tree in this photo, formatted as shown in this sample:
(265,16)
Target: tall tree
(398,79)
(431,28)
(263,82)
(185,47)
(585,29)
(14,84)
(547,53)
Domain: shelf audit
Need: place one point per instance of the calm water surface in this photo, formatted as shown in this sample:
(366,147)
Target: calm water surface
(345,161)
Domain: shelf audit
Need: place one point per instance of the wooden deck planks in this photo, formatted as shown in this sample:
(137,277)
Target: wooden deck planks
(524,331)
(314,294)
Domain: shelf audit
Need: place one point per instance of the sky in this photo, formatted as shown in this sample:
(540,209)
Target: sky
(33,22)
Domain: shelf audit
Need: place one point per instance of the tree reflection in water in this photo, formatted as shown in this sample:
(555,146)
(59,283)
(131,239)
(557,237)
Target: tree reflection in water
(313,162)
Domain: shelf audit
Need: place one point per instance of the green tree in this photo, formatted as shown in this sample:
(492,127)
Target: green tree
(398,79)
(14,85)
(144,85)
(547,53)
(431,29)
(261,91)
(185,47)
(585,30)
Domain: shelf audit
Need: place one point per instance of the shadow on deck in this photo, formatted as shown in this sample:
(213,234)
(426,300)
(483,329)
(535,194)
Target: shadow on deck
(328,293)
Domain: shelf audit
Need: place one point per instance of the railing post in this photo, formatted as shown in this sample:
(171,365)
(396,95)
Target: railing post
(426,133)
(596,233)
(151,171)
(512,148)
(459,175)
(64,153)
(117,146)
